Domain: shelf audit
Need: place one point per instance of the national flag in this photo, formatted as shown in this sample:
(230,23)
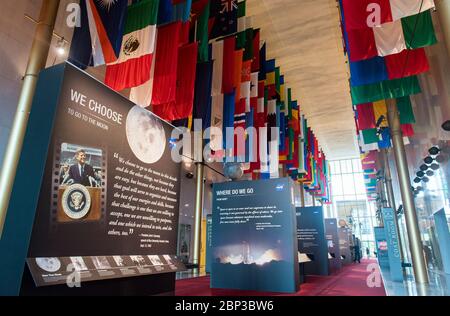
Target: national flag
(99,38)
(411,32)
(200,12)
(217,111)
(202,95)
(246,83)
(389,89)
(161,88)
(256,50)
(228,123)
(133,67)
(186,71)
(223,18)
(365,116)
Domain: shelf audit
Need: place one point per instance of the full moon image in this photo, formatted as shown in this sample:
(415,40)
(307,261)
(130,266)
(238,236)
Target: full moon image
(49,264)
(145,135)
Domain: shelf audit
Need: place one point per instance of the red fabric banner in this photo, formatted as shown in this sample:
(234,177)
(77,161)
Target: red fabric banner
(366,116)
(165,74)
(182,107)
(407,63)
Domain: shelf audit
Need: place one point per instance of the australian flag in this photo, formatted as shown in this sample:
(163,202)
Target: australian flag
(223,18)
(99,38)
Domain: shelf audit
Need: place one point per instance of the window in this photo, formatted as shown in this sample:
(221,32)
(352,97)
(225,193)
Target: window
(349,198)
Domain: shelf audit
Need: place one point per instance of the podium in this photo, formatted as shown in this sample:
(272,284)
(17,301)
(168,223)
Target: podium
(94,213)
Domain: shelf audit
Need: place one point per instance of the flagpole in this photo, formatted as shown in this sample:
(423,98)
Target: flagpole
(36,62)
(412,225)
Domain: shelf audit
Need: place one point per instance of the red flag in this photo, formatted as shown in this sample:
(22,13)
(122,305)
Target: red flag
(407,63)
(366,116)
(359,12)
(256,57)
(237,73)
(182,107)
(228,77)
(361,44)
(165,76)
(408,130)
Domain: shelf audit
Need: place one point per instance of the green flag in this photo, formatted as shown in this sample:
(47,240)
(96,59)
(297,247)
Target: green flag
(406,111)
(418,30)
(390,89)
(370,136)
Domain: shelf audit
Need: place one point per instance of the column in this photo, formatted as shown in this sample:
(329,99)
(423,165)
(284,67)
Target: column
(412,225)
(36,62)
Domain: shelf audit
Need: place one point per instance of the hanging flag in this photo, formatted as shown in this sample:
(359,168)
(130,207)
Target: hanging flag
(246,84)
(365,116)
(161,88)
(232,64)
(385,90)
(256,54)
(243,21)
(228,123)
(406,111)
(181,10)
(99,38)
(200,12)
(404,8)
(218,58)
(223,18)
(182,106)
(366,39)
(133,67)
(202,95)
(238,66)
(217,110)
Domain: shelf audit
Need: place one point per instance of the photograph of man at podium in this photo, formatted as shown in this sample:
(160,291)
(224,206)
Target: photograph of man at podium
(80,189)
(82,172)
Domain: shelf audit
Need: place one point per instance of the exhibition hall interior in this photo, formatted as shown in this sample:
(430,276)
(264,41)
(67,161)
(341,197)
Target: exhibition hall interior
(232,148)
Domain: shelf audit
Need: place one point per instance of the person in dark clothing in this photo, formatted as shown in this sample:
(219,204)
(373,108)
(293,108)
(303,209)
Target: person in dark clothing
(81,172)
(357,249)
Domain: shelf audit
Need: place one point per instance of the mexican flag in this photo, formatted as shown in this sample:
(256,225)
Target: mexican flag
(133,67)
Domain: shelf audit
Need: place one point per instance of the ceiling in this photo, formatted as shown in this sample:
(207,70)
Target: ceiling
(305,38)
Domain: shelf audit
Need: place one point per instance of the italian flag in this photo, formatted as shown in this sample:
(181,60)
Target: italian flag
(387,27)
(134,65)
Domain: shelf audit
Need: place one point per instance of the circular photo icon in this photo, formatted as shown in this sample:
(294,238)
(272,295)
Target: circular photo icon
(76,201)
(145,135)
(49,264)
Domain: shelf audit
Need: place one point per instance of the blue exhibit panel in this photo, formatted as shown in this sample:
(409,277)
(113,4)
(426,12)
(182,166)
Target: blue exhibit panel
(311,239)
(382,247)
(443,235)
(393,245)
(254,244)
(208,243)
(332,238)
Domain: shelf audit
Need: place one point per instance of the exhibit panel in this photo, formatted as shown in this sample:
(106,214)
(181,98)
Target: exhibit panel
(332,238)
(108,201)
(344,245)
(381,247)
(254,244)
(393,246)
(443,235)
(312,240)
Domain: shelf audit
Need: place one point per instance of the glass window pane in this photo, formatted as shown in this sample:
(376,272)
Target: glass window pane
(357,165)
(344,166)
(359,183)
(348,184)
(336,185)
(337,167)
(349,166)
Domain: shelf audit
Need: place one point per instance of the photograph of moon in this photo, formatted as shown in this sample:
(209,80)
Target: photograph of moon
(145,135)
(49,264)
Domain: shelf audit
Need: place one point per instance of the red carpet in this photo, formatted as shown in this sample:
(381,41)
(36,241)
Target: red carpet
(350,281)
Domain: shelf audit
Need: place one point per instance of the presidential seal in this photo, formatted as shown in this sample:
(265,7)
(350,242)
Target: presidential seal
(76,201)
